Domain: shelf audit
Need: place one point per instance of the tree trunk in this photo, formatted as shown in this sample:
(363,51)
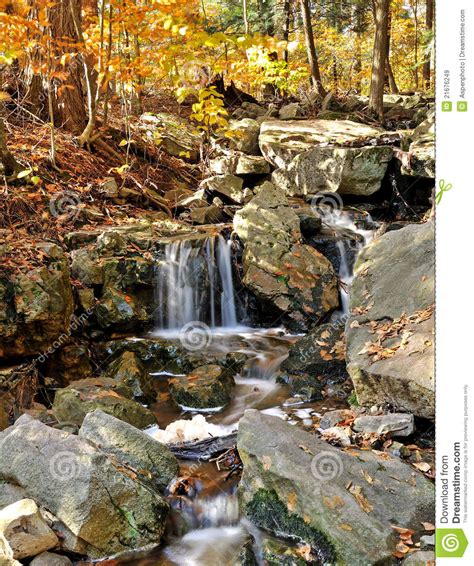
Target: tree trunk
(379,56)
(429,29)
(10,166)
(246,19)
(388,67)
(68,100)
(311,49)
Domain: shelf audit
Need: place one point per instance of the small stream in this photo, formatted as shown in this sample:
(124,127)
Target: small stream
(195,284)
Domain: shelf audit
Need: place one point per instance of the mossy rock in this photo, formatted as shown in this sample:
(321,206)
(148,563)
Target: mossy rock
(207,387)
(73,403)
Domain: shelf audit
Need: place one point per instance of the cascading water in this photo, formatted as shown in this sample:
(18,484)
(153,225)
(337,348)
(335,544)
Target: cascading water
(195,284)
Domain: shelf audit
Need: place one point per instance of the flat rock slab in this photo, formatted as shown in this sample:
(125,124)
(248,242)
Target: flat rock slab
(394,424)
(90,493)
(148,457)
(390,332)
(341,502)
(315,156)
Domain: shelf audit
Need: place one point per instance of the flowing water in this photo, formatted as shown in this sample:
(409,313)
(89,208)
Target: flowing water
(195,285)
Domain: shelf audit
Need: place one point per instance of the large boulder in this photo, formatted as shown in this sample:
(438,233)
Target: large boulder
(206,387)
(129,370)
(97,499)
(72,403)
(36,303)
(390,332)
(172,133)
(243,135)
(148,457)
(342,504)
(314,156)
(292,279)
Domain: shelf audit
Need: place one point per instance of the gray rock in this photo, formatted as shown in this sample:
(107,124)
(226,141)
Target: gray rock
(332,418)
(294,484)
(240,164)
(36,304)
(92,495)
(393,424)
(148,457)
(290,278)
(299,149)
(10,493)
(423,558)
(291,111)
(206,387)
(51,559)
(72,403)
(243,135)
(24,530)
(228,186)
(427,540)
(394,280)
(109,188)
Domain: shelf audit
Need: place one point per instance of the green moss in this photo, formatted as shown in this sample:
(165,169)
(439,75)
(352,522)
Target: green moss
(268,512)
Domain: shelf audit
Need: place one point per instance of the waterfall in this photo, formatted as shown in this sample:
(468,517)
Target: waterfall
(194,283)
(343,221)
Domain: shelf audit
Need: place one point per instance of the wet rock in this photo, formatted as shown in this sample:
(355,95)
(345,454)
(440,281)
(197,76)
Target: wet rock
(393,424)
(69,363)
(24,530)
(299,148)
(290,278)
(118,309)
(229,187)
(129,370)
(321,353)
(296,485)
(150,459)
(240,164)
(73,403)
(310,224)
(243,135)
(172,133)
(206,387)
(422,558)
(36,304)
(400,370)
(51,559)
(96,499)
(277,553)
